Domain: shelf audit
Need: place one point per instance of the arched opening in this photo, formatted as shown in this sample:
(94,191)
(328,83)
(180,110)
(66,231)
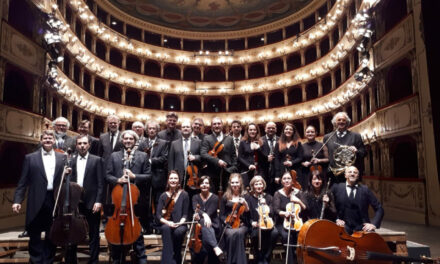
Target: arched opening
(133,64)
(310,54)
(132,98)
(115,58)
(256,102)
(311,91)
(99,88)
(275,66)
(171,103)
(294,95)
(171,71)
(152,101)
(215,74)
(192,104)
(399,81)
(256,70)
(276,99)
(152,68)
(98,126)
(237,103)
(237,73)
(100,49)
(214,105)
(114,94)
(21,17)
(293,62)
(393,13)
(192,74)
(17,88)
(403,151)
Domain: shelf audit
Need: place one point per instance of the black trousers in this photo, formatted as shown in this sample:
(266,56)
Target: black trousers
(172,239)
(138,247)
(268,240)
(42,251)
(293,240)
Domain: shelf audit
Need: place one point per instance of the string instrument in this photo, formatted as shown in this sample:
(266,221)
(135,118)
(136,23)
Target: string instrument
(123,227)
(265,221)
(293,174)
(69,227)
(169,206)
(233,219)
(294,222)
(195,243)
(218,147)
(193,174)
(324,242)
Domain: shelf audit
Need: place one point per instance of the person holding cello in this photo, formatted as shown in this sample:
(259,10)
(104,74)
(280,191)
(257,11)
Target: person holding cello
(288,151)
(234,213)
(135,169)
(249,153)
(287,206)
(172,213)
(263,233)
(210,224)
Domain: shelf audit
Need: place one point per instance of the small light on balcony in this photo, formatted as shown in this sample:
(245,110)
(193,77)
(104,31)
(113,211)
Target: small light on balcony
(114,23)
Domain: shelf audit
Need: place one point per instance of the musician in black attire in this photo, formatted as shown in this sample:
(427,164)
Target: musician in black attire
(198,128)
(173,231)
(207,204)
(288,151)
(269,237)
(249,153)
(138,171)
(41,173)
(234,237)
(314,153)
(171,133)
(352,202)
(84,129)
(315,196)
(267,167)
(287,194)
(344,137)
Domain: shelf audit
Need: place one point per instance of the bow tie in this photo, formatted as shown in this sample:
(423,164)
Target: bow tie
(47,153)
(82,158)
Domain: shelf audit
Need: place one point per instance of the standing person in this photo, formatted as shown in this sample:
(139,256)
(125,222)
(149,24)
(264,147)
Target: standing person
(171,213)
(171,132)
(139,128)
(236,134)
(317,195)
(314,153)
(87,171)
(287,194)
(42,172)
(225,161)
(256,198)
(62,140)
(235,237)
(352,202)
(198,128)
(288,151)
(207,204)
(110,142)
(84,129)
(341,136)
(268,170)
(138,172)
(249,153)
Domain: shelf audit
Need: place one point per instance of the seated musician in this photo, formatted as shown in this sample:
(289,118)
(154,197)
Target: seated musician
(249,152)
(314,197)
(256,199)
(232,204)
(284,196)
(207,204)
(352,202)
(138,171)
(171,213)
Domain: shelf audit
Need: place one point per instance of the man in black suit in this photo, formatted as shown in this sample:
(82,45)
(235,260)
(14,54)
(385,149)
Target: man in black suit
(42,171)
(87,171)
(182,151)
(84,129)
(236,129)
(343,137)
(198,128)
(110,142)
(268,147)
(225,163)
(138,171)
(139,128)
(352,201)
(171,133)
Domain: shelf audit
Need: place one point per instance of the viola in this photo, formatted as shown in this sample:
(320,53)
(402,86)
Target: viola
(293,174)
(123,227)
(218,147)
(169,206)
(195,243)
(294,222)
(193,174)
(265,221)
(233,219)
(69,227)
(324,242)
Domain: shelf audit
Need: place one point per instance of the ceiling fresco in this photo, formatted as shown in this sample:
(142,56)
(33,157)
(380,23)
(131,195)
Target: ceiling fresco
(210,15)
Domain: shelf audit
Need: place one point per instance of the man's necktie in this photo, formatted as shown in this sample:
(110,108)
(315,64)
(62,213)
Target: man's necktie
(112,140)
(351,195)
(185,152)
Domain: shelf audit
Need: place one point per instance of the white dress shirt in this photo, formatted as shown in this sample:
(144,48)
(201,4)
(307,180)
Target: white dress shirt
(81,168)
(349,189)
(49,166)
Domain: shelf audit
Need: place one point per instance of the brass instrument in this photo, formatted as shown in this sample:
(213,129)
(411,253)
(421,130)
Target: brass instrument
(344,157)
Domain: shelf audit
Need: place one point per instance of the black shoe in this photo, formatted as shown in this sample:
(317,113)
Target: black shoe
(24,234)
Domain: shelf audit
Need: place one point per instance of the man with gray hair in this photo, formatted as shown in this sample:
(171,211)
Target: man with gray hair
(62,140)
(139,128)
(341,138)
(110,142)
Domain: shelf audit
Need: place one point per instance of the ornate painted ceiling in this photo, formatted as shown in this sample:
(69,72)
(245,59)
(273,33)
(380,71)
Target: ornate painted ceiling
(210,15)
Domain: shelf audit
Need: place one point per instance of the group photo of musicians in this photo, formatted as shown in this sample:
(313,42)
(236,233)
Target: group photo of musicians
(213,198)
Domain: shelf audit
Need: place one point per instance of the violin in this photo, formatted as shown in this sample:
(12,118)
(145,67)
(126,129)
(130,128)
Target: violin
(218,147)
(263,209)
(233,219)
(123,227)
(294,222)
(195,242)
(69,227)
(193,174)
(324,242)
(169,206)
(293,174)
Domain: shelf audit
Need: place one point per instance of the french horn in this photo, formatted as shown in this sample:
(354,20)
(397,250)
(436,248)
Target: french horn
(344,157)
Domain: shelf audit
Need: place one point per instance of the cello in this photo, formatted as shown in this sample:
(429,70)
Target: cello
(123,227)
(69,227)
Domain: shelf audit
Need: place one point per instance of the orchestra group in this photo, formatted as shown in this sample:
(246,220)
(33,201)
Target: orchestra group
(207,194)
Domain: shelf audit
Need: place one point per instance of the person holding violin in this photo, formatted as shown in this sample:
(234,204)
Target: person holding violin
(208,218)
(172,214)
(317,198)
(314,153)
(41,173)
(219,151)
(249,153)
(288,151)
(137,171)
(285,217)
(263,233)
(234,213)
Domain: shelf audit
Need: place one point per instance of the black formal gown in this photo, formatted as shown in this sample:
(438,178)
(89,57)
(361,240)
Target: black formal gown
(296,156)
(310,149)
(247,157)
(314,206)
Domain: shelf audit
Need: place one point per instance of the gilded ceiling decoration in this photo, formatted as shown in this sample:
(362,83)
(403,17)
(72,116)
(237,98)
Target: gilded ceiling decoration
(210,15)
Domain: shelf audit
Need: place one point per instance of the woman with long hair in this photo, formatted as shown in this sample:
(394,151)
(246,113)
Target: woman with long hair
(171,213)
(233,203)
(249,152)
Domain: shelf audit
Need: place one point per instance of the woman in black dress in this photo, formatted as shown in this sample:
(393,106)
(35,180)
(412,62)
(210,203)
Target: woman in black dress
(313,154)
(269,236)
(288,151)
(249,152)
(281,198)
(207,204)
(234,237)
(315,195)
(173,231)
